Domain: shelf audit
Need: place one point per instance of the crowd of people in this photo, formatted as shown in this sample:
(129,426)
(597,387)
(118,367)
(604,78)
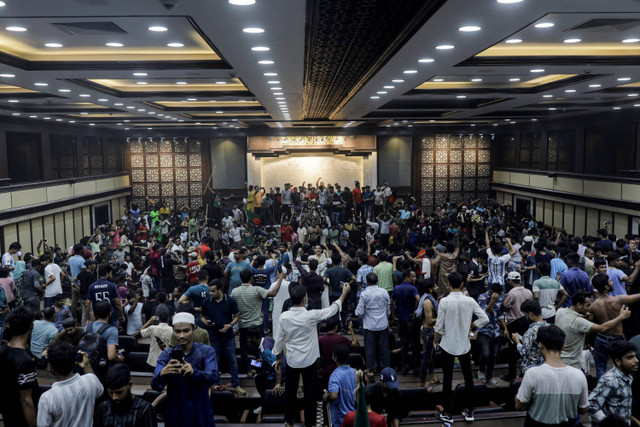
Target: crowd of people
(294,277)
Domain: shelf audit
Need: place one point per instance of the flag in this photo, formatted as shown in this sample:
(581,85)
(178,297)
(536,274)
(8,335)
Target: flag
(362,414)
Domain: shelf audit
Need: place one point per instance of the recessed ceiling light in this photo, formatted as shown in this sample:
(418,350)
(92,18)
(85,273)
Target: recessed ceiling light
(270,74)
(260,49)
(461,96)
(221,83)
(545,25)
(140,74)
(282,102)
(16,29)
(92,124)
(410,71)
(388,87)
(426,60)
(13,101)
(630,40)
(2,4)
(157,29)
(114,44)
(142,83)
(547,96)
(151,112)
(253,30)
(382,92)
(274,82)
(103,100)
(15,114)
(595,85)
(374,97)
(181,83)
(47,118)
(7,75)
(192,99)
(33,117)
(445,47)
(573,41)
(397,81)
(53,44)
(438,80)
(570,91)
(276,88)
(617,108)
(632,94)
(636,105)
(513,41)
(242,2)
(624,79)
(509,1)
(281,97)
(64,90)
(219,112)
(278,93)
(469,28)
(552,108)
(538,70)
(85,95)
(265,62)
(84,113)
(175,44)
(118,104)
(514,79)
(130,107)
(476,80)
(141,109)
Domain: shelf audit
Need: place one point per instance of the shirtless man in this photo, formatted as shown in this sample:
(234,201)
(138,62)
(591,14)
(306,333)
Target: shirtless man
(429,317)
(605,308)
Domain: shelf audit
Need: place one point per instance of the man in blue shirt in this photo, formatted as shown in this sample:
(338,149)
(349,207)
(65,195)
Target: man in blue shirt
(76,262)
(104,290)
(233,269)
(262,277)
(341,393)
(196,294)
(188,370)
(406,298)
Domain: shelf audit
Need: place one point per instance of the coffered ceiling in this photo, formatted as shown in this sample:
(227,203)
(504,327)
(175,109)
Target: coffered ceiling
(213,64)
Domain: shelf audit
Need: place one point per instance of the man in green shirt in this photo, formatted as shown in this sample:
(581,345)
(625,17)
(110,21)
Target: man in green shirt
(384,271)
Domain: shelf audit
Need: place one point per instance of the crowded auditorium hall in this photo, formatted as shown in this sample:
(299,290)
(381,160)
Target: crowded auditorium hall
(319,213)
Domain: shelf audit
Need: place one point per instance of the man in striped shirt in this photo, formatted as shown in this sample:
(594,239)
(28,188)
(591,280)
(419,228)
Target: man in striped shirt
(497,260)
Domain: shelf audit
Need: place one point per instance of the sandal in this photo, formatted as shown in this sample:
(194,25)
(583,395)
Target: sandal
(432,389)
(438,381)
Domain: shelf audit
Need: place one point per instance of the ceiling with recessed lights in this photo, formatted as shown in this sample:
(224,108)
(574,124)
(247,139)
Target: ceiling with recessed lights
(255,64)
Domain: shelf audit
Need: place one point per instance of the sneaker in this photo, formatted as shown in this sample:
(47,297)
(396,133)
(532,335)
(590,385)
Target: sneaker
(492,382)
(481,377)
(468,416)
(238,391)
(444,417)
(257,410)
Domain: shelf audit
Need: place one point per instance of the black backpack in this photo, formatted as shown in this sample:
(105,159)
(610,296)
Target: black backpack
(95,346)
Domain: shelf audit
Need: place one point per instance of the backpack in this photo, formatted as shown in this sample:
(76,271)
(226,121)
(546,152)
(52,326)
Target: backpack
(95,346)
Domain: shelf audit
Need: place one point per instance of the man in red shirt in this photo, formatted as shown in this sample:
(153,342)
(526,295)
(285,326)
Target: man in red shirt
(193,268)
(375,419)
(328,341)
(357,200)
(286,230)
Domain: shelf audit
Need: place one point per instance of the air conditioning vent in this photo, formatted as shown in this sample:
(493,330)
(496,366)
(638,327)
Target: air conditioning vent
(89,28)
(605,24)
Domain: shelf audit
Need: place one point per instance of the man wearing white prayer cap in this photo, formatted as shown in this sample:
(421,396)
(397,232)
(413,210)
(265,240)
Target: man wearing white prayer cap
(188,370)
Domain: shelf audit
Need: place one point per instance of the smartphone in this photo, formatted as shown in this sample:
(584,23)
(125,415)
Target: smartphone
(78,357)
(176,354)
(256,363)
(19,253)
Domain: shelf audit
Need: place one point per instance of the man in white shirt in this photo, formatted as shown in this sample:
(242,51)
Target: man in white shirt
(52,285)
(297,336)
(7,258)
(71,399)
(455,312)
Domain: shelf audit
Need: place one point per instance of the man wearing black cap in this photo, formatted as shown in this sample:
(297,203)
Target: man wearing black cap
(385,396)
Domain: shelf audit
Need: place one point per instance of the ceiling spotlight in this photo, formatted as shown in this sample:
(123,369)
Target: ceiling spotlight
(16,29)
(158,29)
(221,83)
(397,81)
(570,91)
(382,92)
(438,80)
(242,2)
(280,98)
(260,49)
(595,85)
(278,93)
(92,124)
(509,1)
(41,84)
(514,79)
(630,40)
(253,30)
(219,112)
(547,96)
(175,44)
(140,74)
(569,41)
(64,90)
(114,44)
(130,107)
(617,108)
(461,96)
(544,25)
(513,41)
(265,62)
(388,87)
(118,104)
(103,100)
(410,71)
(2,4)
(374,97)
(53,44)
(270,74)
(192,99)
(181,83)
(445,47)
(15,114)
(632,94)
(538,70)
(276,88)
(469,28)
(13,101)
(142,83)
(476,80)
(274,82)
(425,60)
(552,108)
(624,79)
(7,75)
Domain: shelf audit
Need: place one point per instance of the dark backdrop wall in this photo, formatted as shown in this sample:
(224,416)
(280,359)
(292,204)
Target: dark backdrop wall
(394,160)
(229,162)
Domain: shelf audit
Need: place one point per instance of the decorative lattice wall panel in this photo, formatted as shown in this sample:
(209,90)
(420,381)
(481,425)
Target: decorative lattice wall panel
(167,169)
(454,167)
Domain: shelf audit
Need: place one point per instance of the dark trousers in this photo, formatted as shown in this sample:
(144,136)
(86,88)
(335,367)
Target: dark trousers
(489,347)
(519,326)
(244,351)
(376,349)
(447,379)
(427,365)
(359,210)
(226,346)
(264,382)
(309,381)
(409,341)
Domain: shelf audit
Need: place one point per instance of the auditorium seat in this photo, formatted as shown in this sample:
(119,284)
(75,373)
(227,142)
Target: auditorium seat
(127,343)
(224,405)
(137,361)
(480,399)
(415,401)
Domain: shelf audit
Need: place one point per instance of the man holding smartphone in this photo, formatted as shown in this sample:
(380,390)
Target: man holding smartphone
(219,314)
(187,370)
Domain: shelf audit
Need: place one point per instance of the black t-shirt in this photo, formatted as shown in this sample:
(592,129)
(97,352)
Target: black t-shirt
(18,373)
(214,270)
(167,270)
(389,404)
(149,307)
(220,313)
(85,279)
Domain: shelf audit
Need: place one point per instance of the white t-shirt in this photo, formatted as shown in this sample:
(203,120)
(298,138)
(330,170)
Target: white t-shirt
(55,288)
(278,301)
(8,261)
(134,320)
(70,403)
(378,197)
(554,394)
(236,234)
(227,222)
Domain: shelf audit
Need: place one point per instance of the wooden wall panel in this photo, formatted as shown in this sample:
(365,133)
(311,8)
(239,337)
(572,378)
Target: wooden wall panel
(606,216)
(69,236)
(10,235)
(37,232)
(539,212)
(59,227)
(548,212)
(49,229)
(592,221)
(24,236)
(621,225)
(581,221)
(558,214)
(568,219)
(77,225)
(86,221)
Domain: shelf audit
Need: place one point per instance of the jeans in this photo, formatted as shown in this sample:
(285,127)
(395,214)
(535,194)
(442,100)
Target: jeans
(49,301)
(519,326)
(376,346)
(488,347)
(601,353)
(409,341)
(265,314)
(368,211)
(309,380)
(244,350)
(426,365)
(447,371)
(335,218)
(33,303)
(228,347)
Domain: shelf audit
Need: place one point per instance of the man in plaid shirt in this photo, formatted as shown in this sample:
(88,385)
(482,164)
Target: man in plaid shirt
(528,344)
